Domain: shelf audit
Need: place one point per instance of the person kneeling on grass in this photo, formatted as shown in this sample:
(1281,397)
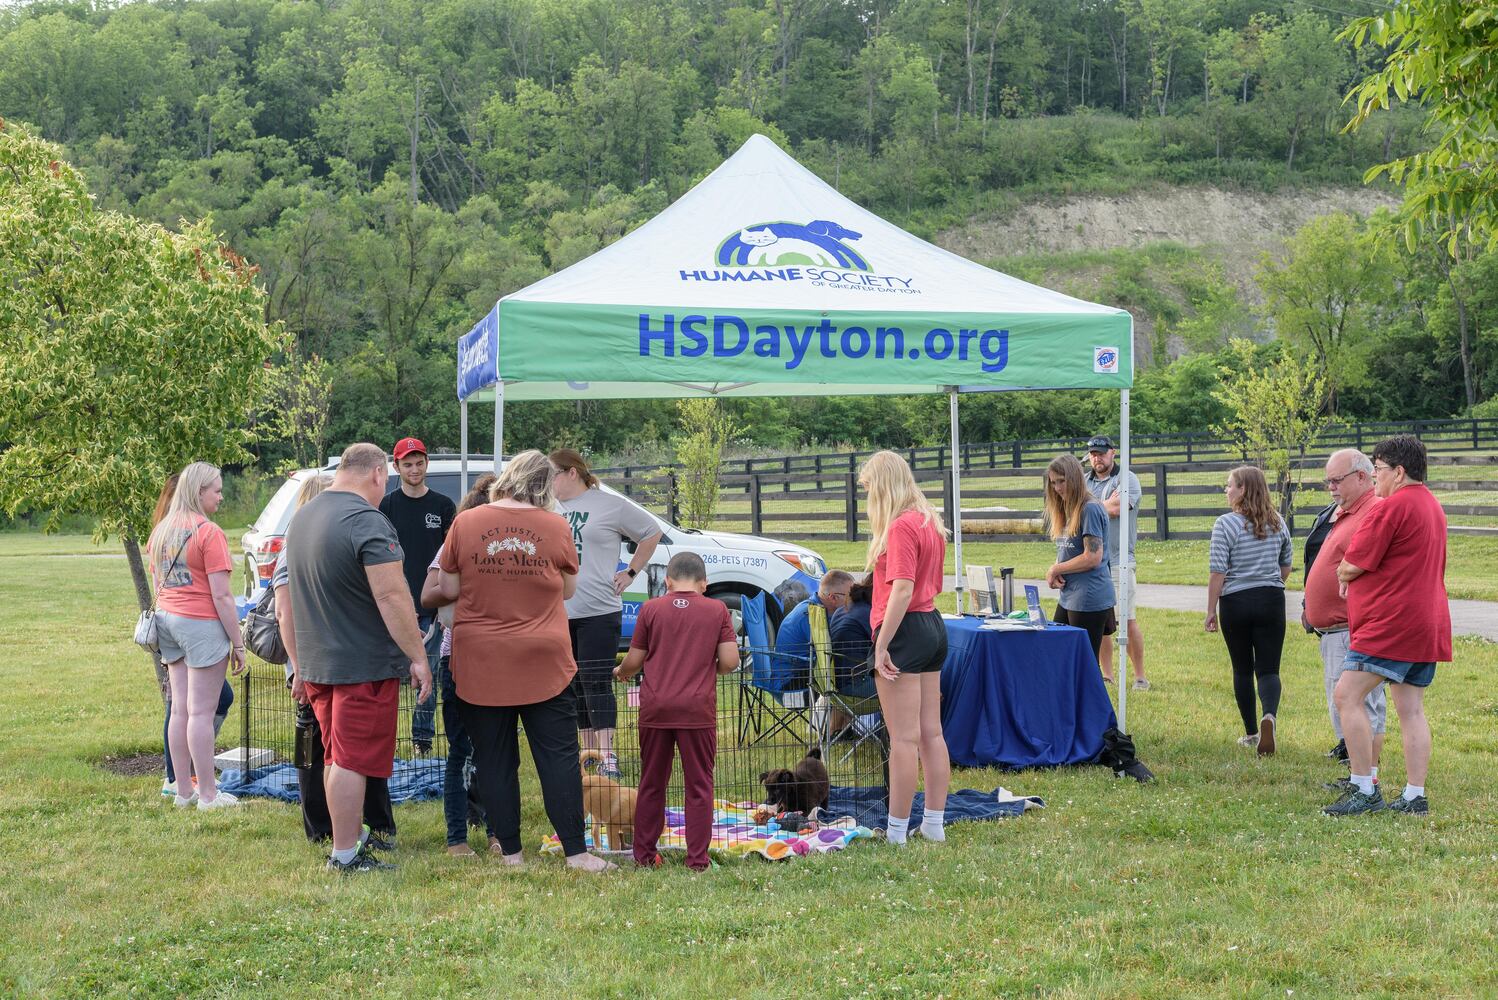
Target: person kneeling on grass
(683,640)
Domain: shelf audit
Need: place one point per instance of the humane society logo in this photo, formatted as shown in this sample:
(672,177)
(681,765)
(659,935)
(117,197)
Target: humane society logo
(817,252)
(781,244)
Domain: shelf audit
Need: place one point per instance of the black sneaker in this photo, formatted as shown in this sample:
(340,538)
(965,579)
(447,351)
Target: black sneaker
(382,842)
(1355,802)
(1418,806)
(363,862)
(1342,785)
(1338,752)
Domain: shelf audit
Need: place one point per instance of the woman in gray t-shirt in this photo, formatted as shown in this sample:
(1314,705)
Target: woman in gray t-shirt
(1079,526)
(600,521)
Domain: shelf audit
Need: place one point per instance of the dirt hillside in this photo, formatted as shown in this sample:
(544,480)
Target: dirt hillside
(1242,221)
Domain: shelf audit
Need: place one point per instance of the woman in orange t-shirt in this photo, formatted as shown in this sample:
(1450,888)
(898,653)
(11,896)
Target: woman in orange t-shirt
(197,623)
(510,564)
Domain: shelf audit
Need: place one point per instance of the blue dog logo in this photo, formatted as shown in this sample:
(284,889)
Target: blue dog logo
(784,244)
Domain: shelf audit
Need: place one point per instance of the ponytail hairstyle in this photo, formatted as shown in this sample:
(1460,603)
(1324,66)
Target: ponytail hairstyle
(566,458)
(892,491)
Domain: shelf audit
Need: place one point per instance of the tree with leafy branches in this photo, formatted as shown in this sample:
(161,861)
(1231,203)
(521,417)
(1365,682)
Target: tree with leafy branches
(126,351)
(1274,408)
(1444,55)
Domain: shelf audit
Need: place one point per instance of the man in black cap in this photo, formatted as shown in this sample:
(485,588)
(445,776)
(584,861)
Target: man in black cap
(1102,482)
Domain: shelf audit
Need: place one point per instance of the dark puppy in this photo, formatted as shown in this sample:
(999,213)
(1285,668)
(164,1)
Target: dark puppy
(799,789)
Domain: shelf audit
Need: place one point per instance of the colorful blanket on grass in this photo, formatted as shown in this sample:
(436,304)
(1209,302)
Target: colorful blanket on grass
(735,834)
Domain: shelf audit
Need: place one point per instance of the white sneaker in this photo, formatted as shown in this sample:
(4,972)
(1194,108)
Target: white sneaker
(182,803)
(1251,740)
(222,800)
(168,789)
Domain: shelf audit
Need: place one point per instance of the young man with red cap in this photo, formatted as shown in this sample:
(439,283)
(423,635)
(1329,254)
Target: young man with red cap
(421,516)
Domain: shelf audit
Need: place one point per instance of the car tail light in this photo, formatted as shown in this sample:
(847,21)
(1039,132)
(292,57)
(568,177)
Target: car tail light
(276,544)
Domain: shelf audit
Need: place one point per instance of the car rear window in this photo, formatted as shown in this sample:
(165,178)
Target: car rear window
(274,518)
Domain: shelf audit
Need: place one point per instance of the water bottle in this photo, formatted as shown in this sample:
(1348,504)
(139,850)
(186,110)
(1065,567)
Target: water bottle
(1008,574)
(304,752)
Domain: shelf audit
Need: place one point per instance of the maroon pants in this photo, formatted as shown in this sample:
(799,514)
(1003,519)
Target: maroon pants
(697,747)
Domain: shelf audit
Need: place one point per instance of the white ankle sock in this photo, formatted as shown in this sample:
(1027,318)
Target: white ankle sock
(345,856)
(1413,792)
(1363,783)
(896,828)
(933,824)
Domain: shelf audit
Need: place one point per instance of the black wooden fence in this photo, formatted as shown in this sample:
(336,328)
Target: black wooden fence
(1179,501)
(1455,434)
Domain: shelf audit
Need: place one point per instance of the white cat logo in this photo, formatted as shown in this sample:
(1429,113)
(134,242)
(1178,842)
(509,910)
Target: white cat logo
(804,251)
(512,544)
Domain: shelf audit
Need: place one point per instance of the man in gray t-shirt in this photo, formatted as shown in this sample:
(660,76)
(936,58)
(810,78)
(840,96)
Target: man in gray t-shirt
(1103,478)
(353,635)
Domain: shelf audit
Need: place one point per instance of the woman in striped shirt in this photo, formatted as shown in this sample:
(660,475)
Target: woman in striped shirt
(1250,559)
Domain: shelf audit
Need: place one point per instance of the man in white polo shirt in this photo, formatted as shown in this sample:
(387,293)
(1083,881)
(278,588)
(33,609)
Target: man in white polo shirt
(1102,482)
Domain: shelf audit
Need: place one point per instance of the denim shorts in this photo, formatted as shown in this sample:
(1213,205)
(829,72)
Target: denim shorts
(1397,671)
(200,641)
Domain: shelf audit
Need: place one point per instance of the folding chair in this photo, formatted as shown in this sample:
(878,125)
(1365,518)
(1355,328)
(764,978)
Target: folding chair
(842,740)
(766,706)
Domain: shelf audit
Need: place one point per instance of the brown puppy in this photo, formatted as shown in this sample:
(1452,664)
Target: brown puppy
(610,804)
(799,789)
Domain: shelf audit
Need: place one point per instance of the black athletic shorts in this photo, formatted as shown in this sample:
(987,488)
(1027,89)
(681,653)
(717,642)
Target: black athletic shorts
(595,646)
(1097,623)
(920,644)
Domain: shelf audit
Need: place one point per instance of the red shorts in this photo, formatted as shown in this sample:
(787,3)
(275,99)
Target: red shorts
(358,724)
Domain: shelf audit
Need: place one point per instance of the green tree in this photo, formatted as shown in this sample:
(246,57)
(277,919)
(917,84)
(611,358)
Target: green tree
(1444,54)
(126,350)
(1276,409)
(706,430)
(1321,297)
(1304,68)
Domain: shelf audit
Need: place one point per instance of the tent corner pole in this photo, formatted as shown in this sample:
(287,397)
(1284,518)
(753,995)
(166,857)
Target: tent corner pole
(955,514)
(499,423)
(1125,564)
(463,443)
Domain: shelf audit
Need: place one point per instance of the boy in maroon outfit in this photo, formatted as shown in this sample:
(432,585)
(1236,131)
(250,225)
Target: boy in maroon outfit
(683,640)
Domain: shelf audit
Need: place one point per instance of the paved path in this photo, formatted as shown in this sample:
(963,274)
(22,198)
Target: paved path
(1467,617)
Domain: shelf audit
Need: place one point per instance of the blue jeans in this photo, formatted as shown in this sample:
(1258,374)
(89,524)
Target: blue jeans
(459,801)
(424,714)
(225,702)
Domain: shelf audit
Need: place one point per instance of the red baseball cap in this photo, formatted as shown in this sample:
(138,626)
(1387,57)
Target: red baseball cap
(405,446)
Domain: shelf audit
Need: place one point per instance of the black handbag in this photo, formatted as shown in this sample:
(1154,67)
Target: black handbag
(262,633)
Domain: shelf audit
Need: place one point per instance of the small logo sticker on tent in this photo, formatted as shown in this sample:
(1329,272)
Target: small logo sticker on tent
(821,243)
(1105,360)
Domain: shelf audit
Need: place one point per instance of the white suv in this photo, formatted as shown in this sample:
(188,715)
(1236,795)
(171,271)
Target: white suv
(737,565)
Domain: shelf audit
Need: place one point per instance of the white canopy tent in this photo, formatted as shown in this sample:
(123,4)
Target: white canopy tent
(763,280)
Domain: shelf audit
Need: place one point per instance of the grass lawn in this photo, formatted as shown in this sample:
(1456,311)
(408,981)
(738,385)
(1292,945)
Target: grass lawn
(1221,879)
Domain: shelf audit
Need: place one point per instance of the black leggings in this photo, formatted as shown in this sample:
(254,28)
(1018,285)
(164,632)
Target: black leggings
(595,647)
(1096,623)
(551,729)
(1253,626)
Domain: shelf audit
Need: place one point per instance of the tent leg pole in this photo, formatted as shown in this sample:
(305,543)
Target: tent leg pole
(955,514)
(499,424)
(1122,669)
(463,444)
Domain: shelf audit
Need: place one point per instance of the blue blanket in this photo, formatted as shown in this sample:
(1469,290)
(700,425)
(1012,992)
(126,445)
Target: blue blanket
(412,781)
(868,808)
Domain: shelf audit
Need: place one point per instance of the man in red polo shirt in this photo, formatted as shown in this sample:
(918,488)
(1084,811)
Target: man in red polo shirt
(1349,480)
(1394,573)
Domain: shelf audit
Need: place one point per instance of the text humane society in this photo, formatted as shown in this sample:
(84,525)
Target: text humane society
(727,336)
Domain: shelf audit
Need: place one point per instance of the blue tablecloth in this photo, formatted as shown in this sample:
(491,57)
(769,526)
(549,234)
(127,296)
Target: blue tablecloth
(1022,699)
